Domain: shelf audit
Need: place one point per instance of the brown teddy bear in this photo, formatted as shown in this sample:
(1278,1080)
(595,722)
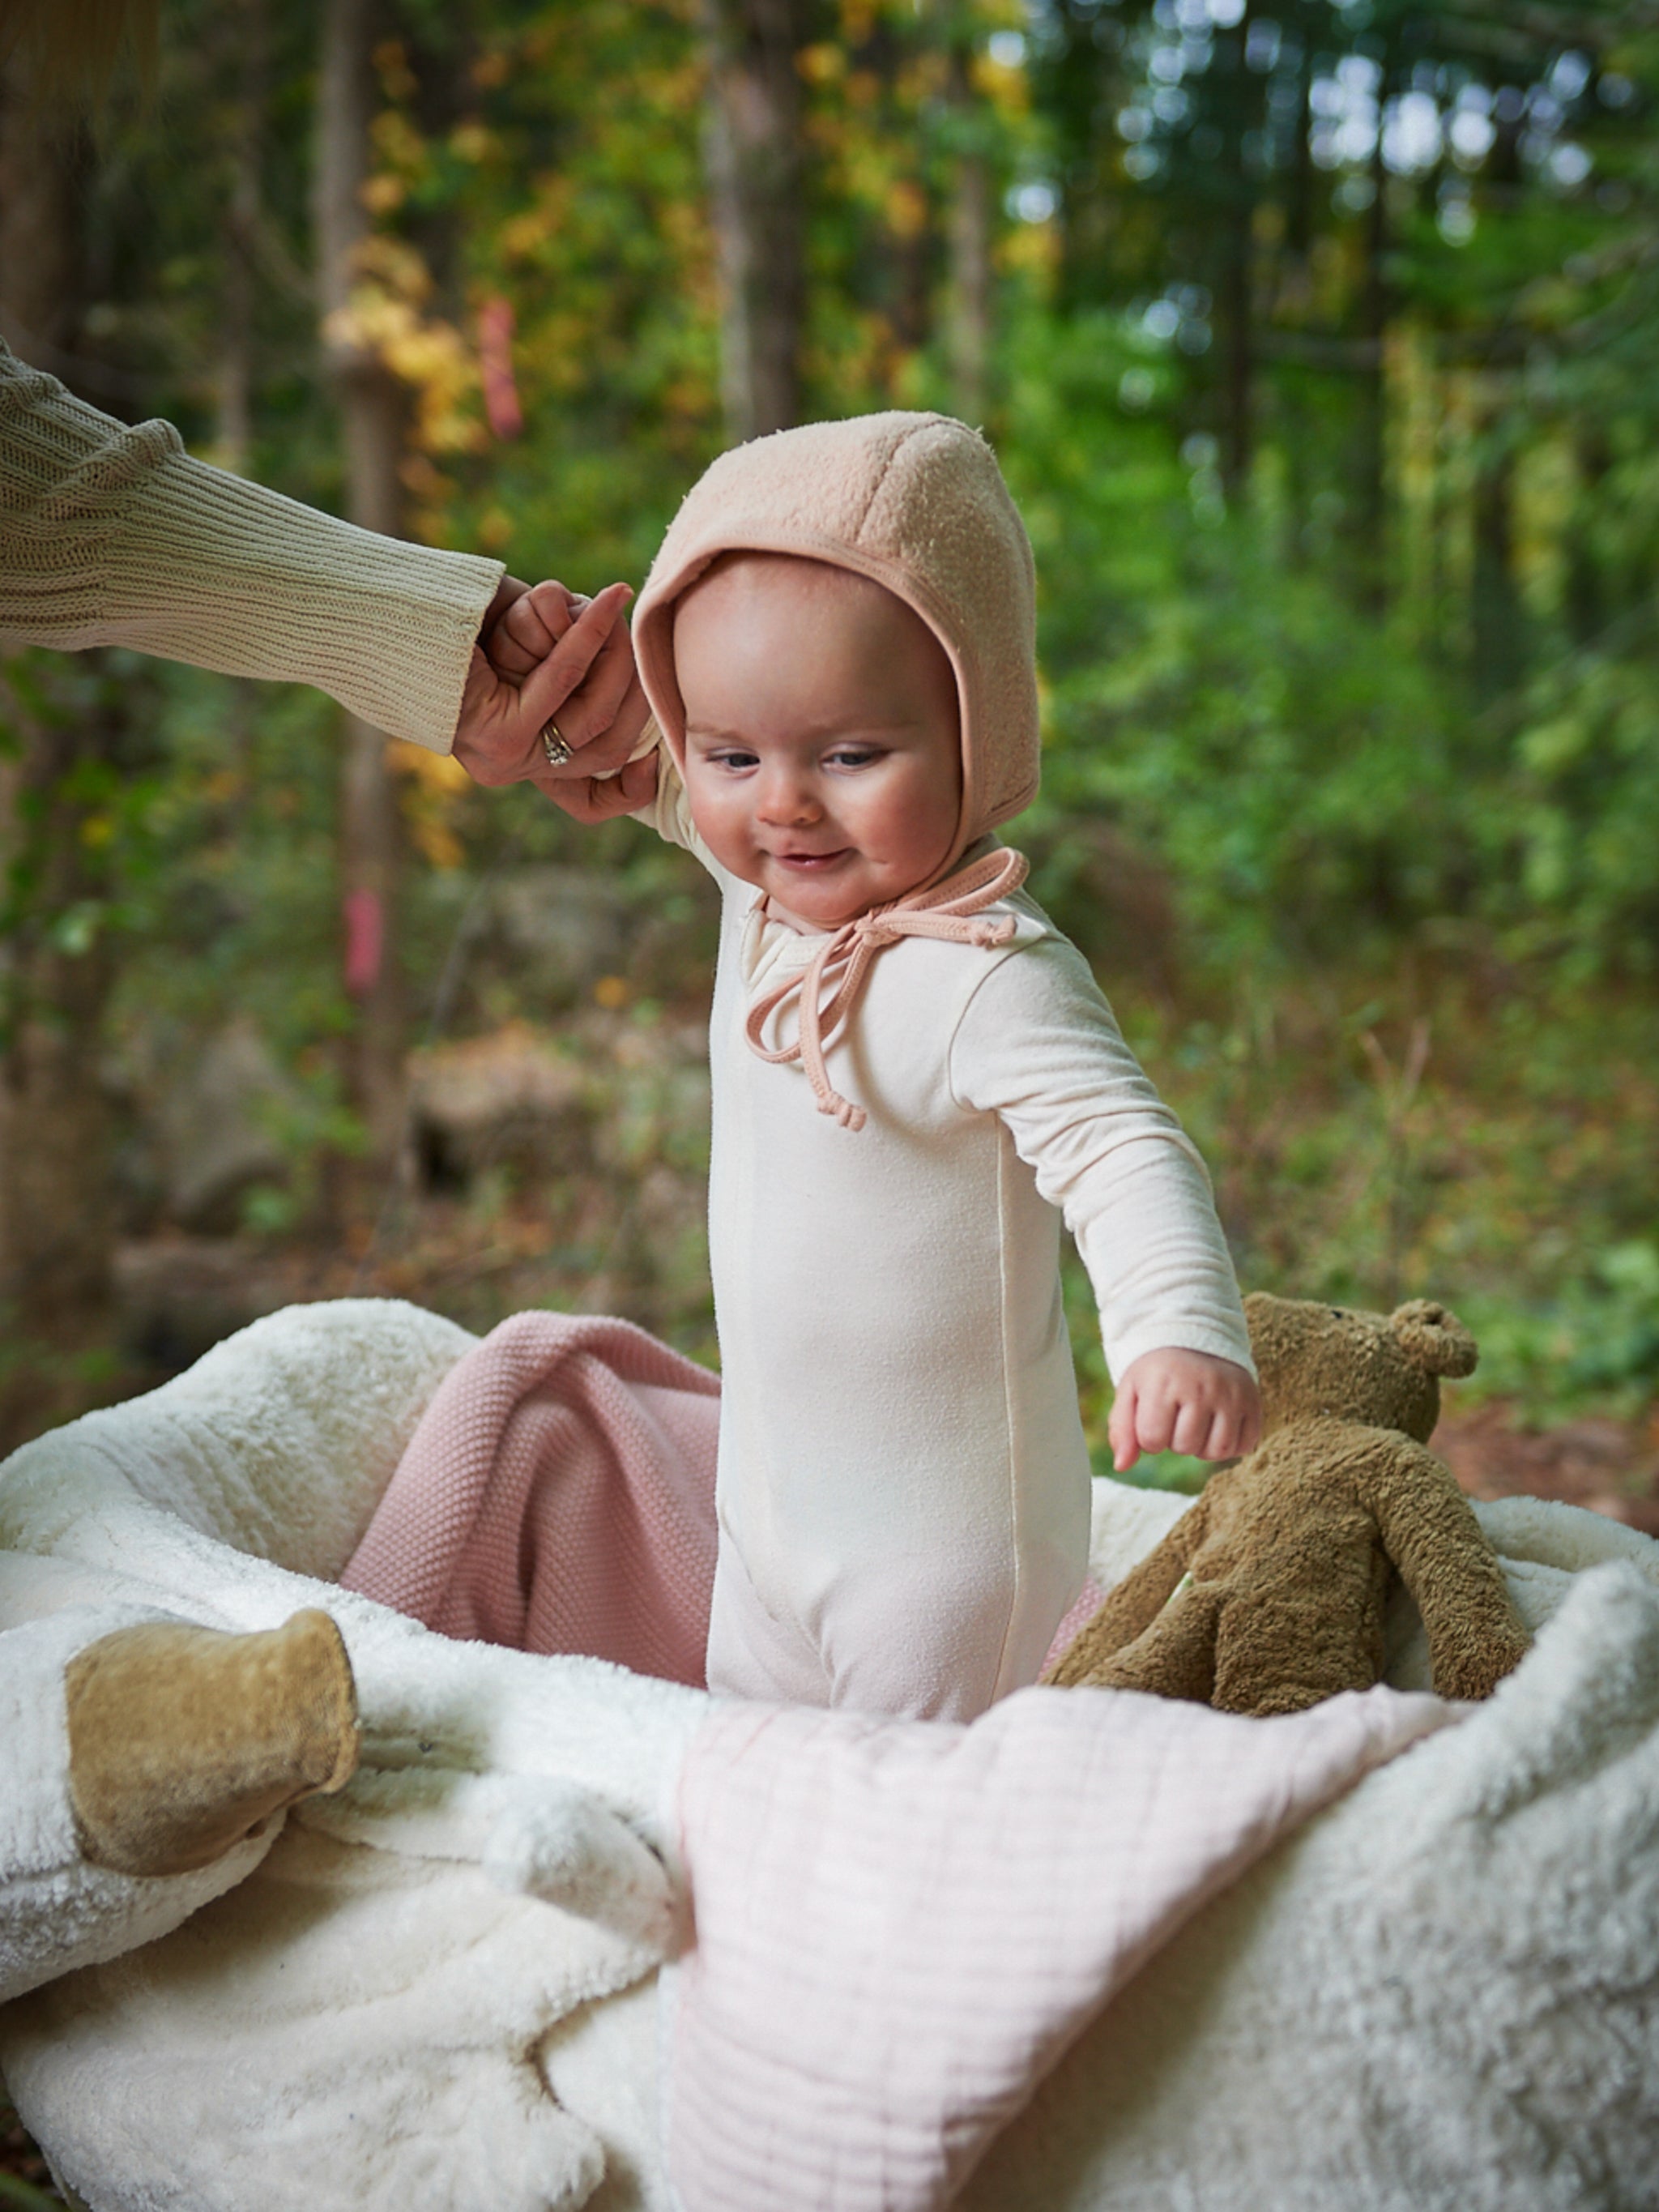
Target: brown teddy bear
(1268,1594)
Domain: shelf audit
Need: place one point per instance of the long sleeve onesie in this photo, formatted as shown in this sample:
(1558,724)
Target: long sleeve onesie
(115,536)
(903,1484)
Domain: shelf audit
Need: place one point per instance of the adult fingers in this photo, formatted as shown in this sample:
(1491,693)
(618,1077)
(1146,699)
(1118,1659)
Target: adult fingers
(492,742)
(612,744)
(600,798)
(601,755)
(547,690)
(595,703)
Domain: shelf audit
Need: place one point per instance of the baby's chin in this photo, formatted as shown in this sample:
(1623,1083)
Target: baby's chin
(829,897)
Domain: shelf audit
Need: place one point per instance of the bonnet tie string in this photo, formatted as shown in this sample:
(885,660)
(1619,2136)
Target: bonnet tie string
(949,910)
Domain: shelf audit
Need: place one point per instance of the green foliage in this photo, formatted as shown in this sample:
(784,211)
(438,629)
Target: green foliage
(1596,1341)
(1337,454)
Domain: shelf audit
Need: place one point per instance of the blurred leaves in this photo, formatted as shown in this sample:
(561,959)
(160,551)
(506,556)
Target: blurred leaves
(1325,368)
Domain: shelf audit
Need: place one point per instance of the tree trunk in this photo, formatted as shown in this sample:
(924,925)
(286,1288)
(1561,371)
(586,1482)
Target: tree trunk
(57,1220)
(755,178)
(1586,595)
(1376,305)
(56,1198)
(1236,293)
(1497,623)
(373,423)
(1296,297)
(970,251)
(247,66)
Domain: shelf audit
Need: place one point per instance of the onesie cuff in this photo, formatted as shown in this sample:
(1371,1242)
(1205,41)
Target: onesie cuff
(1219,1341)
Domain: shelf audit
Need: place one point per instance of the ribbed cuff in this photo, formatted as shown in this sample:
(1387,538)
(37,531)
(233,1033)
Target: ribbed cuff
(228,575)
(1217,1339)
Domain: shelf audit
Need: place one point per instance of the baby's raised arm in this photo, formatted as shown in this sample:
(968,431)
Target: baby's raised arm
(602,719)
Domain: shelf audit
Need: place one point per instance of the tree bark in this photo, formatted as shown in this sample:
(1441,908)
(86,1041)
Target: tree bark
(1497,623)
(57,1215)
(247,66)
(1296,294)
(1235,293)
(1377,308)
(756,176)
(970,251)
(1587,594)
(373,422)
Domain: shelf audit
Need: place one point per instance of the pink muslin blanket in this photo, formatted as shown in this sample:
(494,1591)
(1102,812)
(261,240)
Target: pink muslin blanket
(902,1924)
(899,1924)
(558,1495)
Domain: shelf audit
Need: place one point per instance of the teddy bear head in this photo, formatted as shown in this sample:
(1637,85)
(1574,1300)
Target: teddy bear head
(1382,1370)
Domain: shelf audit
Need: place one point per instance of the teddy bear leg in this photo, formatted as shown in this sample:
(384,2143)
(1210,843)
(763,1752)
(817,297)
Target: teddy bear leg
(1283,1658)
(1173,1658)
(182,1740)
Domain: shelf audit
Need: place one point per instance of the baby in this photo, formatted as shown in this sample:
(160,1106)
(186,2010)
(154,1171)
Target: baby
(915,1081)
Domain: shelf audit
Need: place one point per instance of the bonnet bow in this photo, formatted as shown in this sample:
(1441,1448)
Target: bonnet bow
(949,910)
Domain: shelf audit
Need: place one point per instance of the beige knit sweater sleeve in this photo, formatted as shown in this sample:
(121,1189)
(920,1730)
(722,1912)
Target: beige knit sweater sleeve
(113,536)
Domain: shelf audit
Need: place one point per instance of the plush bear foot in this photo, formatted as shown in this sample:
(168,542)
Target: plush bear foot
(184,1740)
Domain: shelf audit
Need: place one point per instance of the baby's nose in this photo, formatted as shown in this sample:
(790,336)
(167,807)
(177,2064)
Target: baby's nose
(787,797)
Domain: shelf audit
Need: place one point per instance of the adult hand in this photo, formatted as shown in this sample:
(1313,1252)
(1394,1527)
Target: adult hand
(585,681)
(601,781)
(1185,1401)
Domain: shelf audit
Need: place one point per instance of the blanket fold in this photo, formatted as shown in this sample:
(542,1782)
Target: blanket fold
(558,1495)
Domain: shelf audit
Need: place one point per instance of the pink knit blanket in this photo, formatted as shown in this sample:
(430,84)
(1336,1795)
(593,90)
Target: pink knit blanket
(558,1495)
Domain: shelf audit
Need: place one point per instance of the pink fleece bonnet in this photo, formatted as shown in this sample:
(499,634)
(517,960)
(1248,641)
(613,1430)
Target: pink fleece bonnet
(916,502)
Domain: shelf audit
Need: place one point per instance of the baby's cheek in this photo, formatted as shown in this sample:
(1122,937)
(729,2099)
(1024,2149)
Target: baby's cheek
(725,831)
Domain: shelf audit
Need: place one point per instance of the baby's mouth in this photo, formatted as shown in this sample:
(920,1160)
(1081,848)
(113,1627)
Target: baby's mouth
(811,863)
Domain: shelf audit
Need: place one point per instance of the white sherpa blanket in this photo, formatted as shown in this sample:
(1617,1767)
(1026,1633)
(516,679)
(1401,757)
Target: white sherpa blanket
(1394,2009)
(357,2024)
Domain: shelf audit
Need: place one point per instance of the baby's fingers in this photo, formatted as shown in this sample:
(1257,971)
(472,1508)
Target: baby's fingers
(530,630)
(1190,1429)
(1235,1426)
(1142,1420)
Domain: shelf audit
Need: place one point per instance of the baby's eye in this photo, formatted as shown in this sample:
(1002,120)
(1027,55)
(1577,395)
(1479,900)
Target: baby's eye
(853,756)
(733,758)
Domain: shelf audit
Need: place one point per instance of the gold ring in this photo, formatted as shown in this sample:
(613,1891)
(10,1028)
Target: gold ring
(558,750)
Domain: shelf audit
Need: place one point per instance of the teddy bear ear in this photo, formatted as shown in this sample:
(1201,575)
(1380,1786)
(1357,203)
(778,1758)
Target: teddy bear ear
(1432,1335)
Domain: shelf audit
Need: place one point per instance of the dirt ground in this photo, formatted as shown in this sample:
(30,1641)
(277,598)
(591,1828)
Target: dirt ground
(1610,1466)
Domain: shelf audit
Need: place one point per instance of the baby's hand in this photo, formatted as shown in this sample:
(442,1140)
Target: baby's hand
(1184,1402)
(530,629)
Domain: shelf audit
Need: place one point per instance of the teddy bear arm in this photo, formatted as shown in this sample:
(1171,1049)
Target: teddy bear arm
(1430,1533)
(1131,1606)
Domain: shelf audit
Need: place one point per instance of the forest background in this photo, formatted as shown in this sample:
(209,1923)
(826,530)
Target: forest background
(1320,343)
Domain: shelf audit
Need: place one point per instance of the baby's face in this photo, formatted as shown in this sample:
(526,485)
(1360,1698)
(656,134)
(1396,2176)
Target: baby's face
(823,761)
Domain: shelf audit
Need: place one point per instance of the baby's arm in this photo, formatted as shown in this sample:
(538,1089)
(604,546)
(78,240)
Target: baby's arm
(609,775)
(1037,1046)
